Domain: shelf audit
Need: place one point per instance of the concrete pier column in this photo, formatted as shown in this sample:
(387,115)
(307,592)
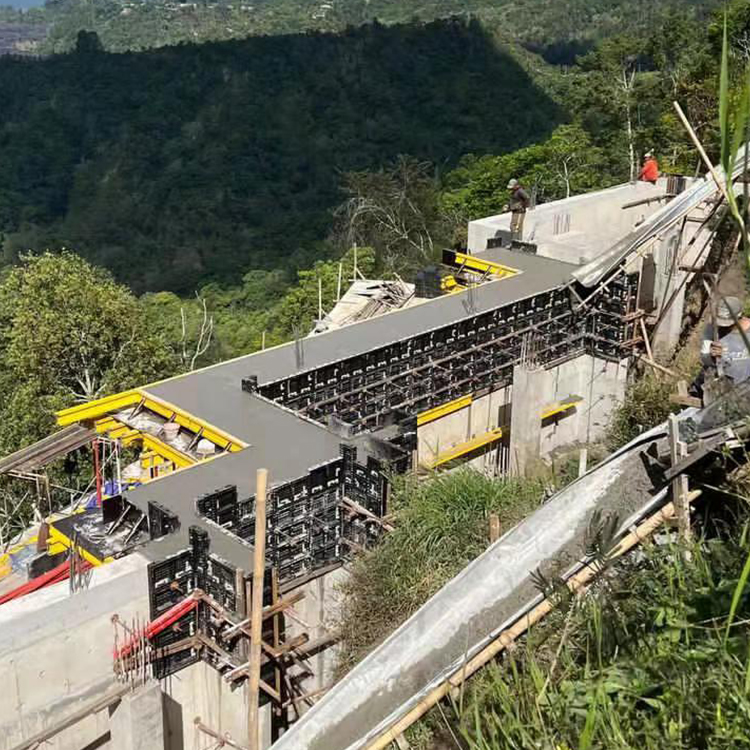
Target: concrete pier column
(530,394)
(138,721)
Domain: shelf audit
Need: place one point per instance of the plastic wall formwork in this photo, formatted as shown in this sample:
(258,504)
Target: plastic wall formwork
(307,528)
(416,374)
(174,578)
(476,354)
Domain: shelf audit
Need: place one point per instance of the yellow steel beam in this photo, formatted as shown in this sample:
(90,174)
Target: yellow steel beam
(115,429)
(96,409)
(561,407)
(102,408)
(167,452)
(189,422)
(473,263)
(462,449)
(58,539)
(443,410)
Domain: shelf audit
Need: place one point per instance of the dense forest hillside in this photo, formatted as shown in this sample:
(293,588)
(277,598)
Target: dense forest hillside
(183,164)
(557,29)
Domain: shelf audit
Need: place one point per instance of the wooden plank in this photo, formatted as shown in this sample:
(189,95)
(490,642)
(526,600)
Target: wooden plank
(256,610)
(680,489)
(361,510)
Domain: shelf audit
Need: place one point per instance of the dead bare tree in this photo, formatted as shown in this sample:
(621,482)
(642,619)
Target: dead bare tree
(393,210)
(191,350)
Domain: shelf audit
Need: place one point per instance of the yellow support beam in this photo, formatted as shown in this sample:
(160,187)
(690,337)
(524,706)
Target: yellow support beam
(560,407)
(100,411)
(479,265)
(443,410)
(167,452)
(462,449)
(189,422)
(59,541)
(97,409)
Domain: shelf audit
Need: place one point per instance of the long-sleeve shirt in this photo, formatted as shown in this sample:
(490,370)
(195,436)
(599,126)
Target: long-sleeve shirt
(519,201)
(650,171)
(735,358)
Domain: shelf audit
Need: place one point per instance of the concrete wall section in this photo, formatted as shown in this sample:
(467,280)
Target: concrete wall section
(317,615)
(599,383)
(199,691)
(137,722)
(56,655)
(482,415)
(579,228)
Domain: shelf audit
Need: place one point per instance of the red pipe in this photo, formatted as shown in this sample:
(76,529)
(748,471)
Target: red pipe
(56,575)
(160,623)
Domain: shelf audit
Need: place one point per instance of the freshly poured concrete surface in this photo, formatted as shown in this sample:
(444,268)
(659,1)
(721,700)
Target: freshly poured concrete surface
(460,619)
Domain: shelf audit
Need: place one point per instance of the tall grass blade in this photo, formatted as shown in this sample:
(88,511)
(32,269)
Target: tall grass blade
(738,592)
(587,735)
(726,155)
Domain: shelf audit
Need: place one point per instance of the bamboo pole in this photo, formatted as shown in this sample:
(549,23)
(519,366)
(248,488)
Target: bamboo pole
(583,458)
(338,285)
(680,488)
(657,366)
(494,527)
(223,739)
(646,341)
(509,636)
(699,146)
(256,611)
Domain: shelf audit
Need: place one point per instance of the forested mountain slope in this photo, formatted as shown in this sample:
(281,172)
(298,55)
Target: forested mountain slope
(559,28)
(183,164)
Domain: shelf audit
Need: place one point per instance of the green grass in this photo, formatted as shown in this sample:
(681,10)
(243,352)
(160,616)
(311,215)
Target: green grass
(641,661)
(441,525)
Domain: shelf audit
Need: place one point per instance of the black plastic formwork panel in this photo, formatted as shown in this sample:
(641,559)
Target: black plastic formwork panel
(220,506)
(170,581)
(430,368)
(161,520)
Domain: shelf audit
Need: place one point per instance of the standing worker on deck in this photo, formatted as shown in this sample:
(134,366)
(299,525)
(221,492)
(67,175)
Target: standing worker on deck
(650,170)
(519,204)
(724,355)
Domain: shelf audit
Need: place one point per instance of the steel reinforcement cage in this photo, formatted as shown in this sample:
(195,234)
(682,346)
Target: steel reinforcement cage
(474,355)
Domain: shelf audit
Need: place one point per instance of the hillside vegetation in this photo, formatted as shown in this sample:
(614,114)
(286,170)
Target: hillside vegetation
(181,165)
(559,29)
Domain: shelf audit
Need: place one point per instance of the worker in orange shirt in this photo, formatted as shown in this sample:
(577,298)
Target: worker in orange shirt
(650,170)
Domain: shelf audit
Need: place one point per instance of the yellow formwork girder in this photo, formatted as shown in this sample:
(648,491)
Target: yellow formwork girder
(100,412)
(462,449)
(480,265)
(97,409)
(59,541)
(560,407)
(167,452)
(443,410)
(189,422)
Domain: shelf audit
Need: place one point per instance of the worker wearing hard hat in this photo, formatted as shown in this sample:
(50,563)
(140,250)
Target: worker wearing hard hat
(518,205)
(650,170)
(724,354)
